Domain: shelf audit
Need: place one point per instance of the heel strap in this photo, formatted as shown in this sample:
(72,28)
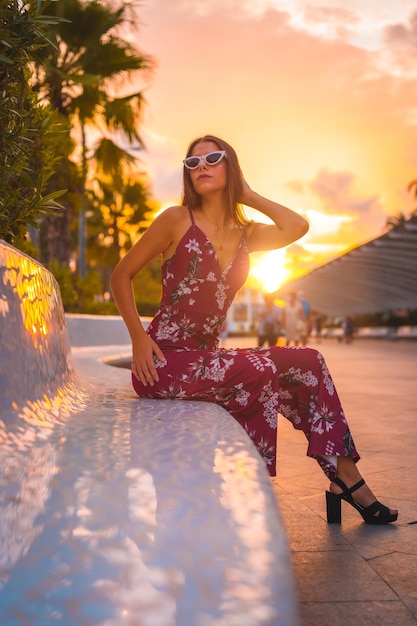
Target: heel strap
(347,491)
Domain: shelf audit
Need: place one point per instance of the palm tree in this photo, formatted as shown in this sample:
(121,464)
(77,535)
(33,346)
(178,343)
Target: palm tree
(400,219)
(123,208)
(396,221)
(81,76)
(413,187)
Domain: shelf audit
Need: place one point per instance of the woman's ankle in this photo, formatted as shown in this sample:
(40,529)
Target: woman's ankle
(347,470)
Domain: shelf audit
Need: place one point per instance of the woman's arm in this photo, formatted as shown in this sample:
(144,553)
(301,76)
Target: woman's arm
(157,239)
(289,225)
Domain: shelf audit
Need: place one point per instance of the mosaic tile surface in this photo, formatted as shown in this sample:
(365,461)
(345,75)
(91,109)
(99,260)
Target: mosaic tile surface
(119,511)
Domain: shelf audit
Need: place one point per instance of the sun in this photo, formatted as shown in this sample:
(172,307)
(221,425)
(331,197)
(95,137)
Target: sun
(269,268)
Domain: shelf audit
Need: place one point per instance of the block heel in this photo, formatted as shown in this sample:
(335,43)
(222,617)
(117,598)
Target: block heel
(333,508)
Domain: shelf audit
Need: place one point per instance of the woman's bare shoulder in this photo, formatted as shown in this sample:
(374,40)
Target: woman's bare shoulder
(174,214)
(171,225)
(169,221)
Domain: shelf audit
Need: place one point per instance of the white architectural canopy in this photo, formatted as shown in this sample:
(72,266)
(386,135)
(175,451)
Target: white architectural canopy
(378,276)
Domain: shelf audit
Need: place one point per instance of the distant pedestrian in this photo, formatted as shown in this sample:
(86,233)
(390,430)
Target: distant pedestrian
(269,322)
(305,324)
(293,320)
(348,329)
(305,304)
(317,326)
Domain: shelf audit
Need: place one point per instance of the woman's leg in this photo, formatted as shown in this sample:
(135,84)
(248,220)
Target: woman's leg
(309,400)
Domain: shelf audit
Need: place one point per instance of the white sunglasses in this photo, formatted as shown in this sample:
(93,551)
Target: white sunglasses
(212,158)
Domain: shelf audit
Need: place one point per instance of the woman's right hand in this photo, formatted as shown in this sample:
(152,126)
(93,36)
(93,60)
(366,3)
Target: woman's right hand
(143,363)
(246,194)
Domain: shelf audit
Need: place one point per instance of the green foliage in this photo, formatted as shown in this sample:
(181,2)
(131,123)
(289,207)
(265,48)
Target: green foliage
(58,232)
(148,289)
(61,64)
(86,295)
(81,295)
(28,129)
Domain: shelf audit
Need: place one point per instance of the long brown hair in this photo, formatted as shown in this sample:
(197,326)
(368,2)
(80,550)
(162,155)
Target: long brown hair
(192,200)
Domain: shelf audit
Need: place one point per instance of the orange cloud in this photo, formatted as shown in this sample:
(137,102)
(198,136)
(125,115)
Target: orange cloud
(338,197)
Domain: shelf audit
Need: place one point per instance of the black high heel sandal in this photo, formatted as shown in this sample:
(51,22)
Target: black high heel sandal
(334,506)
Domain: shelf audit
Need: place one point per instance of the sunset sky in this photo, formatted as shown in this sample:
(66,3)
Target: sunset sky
(319,100)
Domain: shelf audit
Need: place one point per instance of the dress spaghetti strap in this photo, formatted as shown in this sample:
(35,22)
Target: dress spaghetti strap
(192,217)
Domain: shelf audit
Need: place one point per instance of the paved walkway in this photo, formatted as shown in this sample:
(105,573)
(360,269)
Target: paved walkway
(355,574)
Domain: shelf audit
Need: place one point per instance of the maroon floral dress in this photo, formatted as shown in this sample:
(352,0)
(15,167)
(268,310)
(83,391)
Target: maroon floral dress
(253,384)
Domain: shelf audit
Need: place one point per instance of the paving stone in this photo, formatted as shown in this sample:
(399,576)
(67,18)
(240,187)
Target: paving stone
(355,574)
(391,613)
(337,576)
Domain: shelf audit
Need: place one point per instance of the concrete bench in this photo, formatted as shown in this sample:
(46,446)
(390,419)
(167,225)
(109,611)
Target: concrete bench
(117,510)
(406,332)
(332,333)
(375,332)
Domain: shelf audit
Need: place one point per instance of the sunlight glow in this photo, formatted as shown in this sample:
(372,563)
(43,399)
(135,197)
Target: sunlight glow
(270,268)
(326,223)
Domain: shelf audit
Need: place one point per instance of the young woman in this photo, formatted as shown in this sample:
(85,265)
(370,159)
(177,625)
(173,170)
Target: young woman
(205,244)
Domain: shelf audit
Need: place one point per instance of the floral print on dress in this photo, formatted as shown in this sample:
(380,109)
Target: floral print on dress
(254,385)
(220,295)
